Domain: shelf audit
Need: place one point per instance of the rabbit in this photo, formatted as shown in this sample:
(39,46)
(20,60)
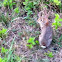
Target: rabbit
(45,38)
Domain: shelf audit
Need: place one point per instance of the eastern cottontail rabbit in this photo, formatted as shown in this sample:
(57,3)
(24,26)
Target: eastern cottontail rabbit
(45,37)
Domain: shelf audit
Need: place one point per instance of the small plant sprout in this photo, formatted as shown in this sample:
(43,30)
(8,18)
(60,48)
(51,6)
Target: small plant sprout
(16,10)
(3,50)
(31,42)
(8,3)
(57,21)
(3,33)
(49,54)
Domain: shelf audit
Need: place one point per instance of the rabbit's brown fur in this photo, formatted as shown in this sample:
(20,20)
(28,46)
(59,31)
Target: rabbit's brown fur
(45,37)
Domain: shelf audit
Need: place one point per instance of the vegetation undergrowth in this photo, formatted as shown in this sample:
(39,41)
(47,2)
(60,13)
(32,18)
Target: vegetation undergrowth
(3,33)
(7,55)
(49,54)
(31,42)
(57,23)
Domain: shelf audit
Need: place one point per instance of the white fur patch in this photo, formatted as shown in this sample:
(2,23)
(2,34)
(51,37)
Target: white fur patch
(43,46)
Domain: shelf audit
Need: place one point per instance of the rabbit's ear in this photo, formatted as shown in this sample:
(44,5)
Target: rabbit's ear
(40,17)
(39,14)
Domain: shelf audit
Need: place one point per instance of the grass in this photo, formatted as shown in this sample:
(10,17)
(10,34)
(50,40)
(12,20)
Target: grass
(8,55)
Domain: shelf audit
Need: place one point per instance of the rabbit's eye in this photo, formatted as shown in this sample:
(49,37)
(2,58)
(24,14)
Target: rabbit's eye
(40,20)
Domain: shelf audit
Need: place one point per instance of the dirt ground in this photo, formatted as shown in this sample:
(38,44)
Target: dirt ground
(22,32)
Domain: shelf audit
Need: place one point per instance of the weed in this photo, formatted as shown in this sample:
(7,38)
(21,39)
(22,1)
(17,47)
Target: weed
(29,5)
(57,2)
(49,54)
(8,3)
(57,21)
(16,10)
(31,42)
(9,56)
(3,59)
(3,50)
(3,33)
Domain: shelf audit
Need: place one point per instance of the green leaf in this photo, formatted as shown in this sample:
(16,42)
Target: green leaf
(4,60)
(56,16)
(10,1)
(57,2)
(31,39)
(49,54)
(53,24)
(37,42)
(26,0)
(27,8)
(60,19)
(33,43)
(13,3)
(16,10)
(30,4)
(59,24)
(3,50)
(30,46)
(1,59)
(4,30)
(24,3)
(34,3)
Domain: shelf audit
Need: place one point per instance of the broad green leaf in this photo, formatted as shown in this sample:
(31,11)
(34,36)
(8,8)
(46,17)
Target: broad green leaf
(57,2)
(3,50)
(53,24)
(30,4)
(27,8)
(34,3)
(26,0)
(10,1)
(16,10)
(30,46)
(0,59)
(4,30)
(60,19)
(13,3)
(37,42)
(50,54)
(56,16)
(59,24)
(31,39)
(24,3)
(33,43)
(56,27)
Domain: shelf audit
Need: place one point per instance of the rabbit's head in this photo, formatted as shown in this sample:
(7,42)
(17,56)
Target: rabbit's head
(43,17)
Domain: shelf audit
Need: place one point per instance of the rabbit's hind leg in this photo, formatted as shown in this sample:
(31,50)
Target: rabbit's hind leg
(42,41)
(43,44)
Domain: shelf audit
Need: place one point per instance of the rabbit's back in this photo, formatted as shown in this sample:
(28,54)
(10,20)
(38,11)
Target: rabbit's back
(46,35)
